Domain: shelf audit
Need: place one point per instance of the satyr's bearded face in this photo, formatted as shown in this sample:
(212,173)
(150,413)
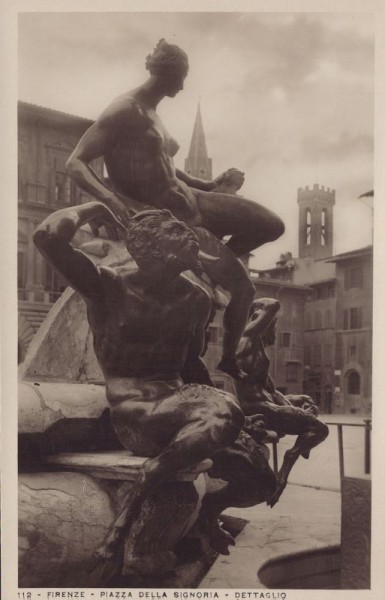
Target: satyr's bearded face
(156,239)
(179,245)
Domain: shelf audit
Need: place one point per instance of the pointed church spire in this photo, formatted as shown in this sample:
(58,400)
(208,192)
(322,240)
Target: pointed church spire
(198,164)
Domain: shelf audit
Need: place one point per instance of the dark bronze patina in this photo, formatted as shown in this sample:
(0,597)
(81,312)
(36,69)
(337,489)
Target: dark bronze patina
(138,154)
(148,327)
(294,415)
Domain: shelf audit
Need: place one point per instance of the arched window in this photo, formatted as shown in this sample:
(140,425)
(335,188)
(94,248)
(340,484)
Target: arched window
(308,227)
(323,227)
(354,383)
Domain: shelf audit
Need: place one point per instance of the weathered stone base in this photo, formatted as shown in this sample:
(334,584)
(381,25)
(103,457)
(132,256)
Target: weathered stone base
(355,533)
(64,517)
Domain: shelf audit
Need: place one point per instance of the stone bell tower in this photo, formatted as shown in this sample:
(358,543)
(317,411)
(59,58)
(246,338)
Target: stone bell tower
(315,221)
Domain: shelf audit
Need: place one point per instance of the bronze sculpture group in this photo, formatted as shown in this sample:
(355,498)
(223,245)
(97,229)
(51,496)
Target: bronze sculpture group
(149,324)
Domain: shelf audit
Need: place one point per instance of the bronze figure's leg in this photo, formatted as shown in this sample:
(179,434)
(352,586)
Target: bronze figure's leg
(311,433)
(212,421)
(250,480)
(230,273)
(250,224)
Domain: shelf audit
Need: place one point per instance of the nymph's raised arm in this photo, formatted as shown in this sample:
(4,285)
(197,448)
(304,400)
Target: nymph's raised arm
(53,236)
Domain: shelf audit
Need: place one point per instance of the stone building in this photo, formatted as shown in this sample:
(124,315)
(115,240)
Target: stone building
(337,315)
(46,138)
(324,329)
(353,328)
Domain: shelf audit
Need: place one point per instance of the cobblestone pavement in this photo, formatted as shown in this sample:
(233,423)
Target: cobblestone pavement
(306,517)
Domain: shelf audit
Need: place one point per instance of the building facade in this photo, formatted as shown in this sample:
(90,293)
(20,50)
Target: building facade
(324,328)
(337,312)
(46,139)
(353,333)
(286,355)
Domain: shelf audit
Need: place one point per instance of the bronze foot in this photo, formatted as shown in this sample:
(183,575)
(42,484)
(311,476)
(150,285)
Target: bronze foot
(220,540)
(272,501)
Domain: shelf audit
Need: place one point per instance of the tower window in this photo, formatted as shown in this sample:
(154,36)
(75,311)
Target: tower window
(308,227)
(323,227)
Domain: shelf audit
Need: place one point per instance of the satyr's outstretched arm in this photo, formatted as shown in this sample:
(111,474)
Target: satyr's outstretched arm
(194,369)
(53,239)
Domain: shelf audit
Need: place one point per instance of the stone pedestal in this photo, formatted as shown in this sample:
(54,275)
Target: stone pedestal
(355,533)
(65,516)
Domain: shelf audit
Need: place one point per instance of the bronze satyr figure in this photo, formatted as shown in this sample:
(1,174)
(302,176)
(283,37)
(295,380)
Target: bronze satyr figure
(148,328)
(138,153)
(294,415)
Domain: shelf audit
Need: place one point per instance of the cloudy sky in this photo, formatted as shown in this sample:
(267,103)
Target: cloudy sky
(287,98)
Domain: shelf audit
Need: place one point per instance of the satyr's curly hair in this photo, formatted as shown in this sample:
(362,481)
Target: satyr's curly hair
(142,239)
(167,59)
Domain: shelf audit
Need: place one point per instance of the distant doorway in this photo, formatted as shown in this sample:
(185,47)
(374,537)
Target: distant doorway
(328,399)
(353,391)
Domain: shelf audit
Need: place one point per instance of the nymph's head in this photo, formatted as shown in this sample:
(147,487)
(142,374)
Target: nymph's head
(168,63)
(156,240)
(269,333)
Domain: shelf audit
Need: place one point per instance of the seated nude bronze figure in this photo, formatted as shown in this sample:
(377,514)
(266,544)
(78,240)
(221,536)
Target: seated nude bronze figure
(294,415)
(148,327)
(138,154)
